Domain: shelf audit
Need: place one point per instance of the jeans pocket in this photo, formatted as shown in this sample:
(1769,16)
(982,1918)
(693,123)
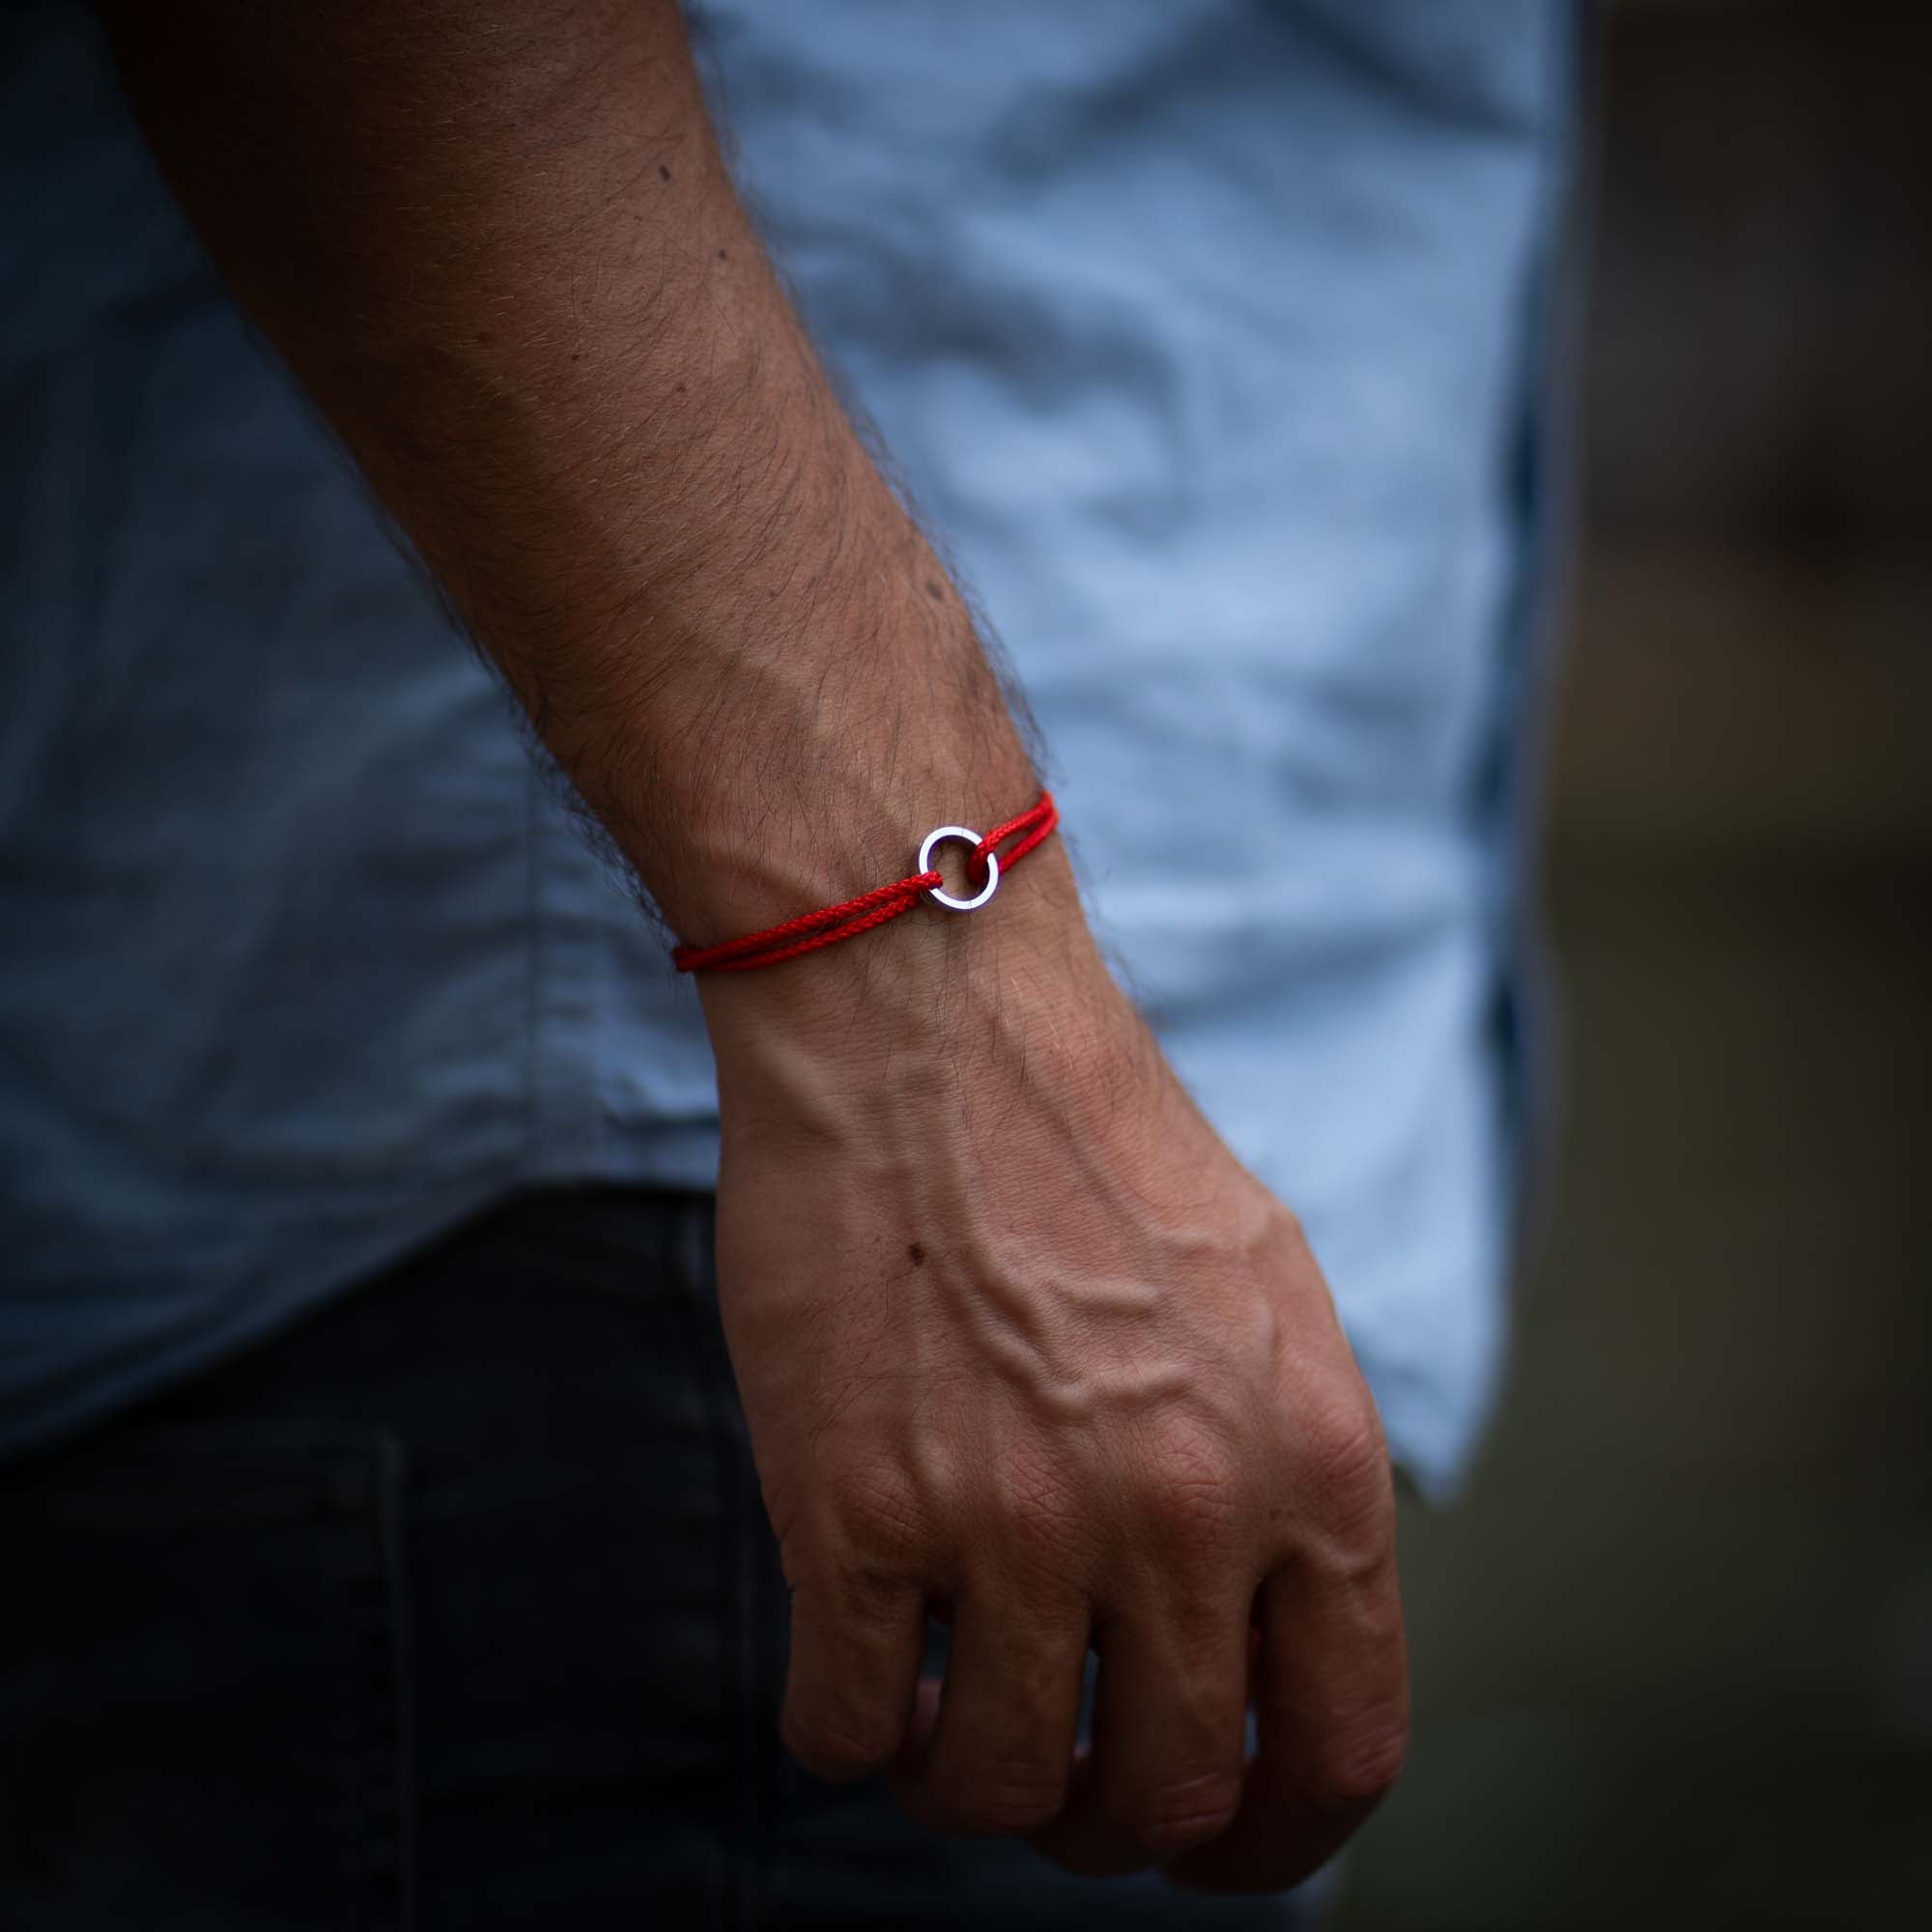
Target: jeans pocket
(203,1681)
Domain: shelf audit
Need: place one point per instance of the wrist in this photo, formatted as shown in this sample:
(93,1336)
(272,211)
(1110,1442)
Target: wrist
(935,995)
(842,822)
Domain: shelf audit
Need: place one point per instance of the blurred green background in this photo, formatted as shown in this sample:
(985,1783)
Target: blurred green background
(1674,1655)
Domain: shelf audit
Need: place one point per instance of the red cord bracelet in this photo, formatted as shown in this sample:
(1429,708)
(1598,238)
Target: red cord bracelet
(828,924)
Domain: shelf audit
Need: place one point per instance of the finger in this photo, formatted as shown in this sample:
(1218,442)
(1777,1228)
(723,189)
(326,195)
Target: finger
(1001,1744)
(1332,1722)
(1165,1770)
(855,1654)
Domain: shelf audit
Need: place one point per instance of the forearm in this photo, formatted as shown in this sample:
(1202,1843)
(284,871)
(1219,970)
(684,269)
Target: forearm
(497,241)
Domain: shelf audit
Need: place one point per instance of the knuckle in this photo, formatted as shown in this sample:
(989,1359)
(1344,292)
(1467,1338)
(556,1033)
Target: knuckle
(1347,1460)
(1193,1486)
(837,1742)
(850,1603)
(1018,1796)
(885,1520)
(1360,1768)
(1186,1812)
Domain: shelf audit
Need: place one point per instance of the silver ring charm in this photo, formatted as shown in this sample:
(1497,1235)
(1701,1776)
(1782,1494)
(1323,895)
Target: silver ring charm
(938,835)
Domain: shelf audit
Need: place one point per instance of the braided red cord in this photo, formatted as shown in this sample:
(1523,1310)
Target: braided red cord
(828,924)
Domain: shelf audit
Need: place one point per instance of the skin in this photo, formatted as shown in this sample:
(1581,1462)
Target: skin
(1018,1339)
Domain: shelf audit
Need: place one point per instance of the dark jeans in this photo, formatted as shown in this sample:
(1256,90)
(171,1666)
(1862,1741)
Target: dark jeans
(454,1606)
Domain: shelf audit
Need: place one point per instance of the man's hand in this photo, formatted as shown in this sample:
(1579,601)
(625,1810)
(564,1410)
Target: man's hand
(1016,1333)
(1019,1339)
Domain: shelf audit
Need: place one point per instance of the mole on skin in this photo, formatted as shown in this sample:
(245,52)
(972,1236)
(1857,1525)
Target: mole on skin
(915,1255)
